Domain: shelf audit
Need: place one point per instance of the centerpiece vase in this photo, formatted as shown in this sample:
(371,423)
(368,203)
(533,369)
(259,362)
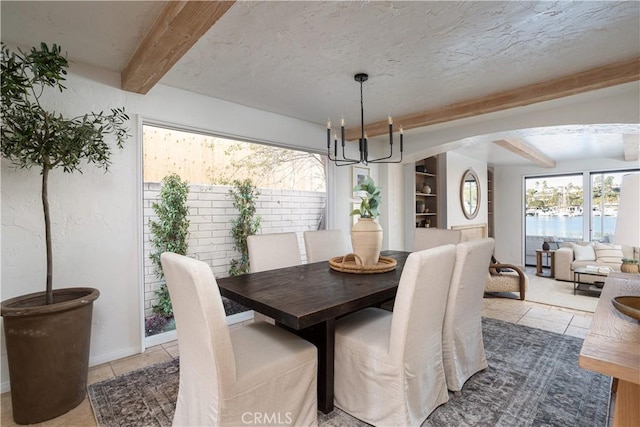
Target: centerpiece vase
(366,240)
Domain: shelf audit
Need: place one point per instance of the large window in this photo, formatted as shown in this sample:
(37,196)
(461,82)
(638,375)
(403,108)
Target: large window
(605,194)
(554,211)
(558,209)
(292,197)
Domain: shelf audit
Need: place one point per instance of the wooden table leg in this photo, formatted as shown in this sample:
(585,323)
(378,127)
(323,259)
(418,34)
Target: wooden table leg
(627,409)
(553,264)
(539,263)
(323,337)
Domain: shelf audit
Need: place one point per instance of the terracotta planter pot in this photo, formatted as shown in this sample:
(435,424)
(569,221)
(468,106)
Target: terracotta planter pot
(48,352)
(366,239)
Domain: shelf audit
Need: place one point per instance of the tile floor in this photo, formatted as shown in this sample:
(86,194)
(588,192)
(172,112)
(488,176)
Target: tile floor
(555,319)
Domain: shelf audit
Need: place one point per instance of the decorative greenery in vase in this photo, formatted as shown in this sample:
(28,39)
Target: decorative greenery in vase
(33,136)
(169,233)
(244,195)
(370,202)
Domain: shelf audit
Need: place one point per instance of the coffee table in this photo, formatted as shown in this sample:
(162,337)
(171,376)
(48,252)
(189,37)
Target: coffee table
(586,287)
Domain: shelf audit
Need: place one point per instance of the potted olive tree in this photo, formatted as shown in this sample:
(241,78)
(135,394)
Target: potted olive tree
(48,333)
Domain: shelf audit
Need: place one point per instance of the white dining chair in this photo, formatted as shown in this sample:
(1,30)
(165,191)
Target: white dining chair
(388,366)
(462,345)
(228,377)
(426,238)
(271,251)
(322,245)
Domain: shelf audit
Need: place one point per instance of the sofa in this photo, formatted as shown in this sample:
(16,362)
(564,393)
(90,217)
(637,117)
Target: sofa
(572,255)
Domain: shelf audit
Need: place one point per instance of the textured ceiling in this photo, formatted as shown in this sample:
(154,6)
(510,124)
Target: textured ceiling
(298,58)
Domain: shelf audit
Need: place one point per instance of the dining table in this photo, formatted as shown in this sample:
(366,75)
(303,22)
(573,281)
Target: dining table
(307,300)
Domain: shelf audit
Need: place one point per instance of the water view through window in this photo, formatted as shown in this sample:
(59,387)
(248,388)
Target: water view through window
(554,206)
(556,209)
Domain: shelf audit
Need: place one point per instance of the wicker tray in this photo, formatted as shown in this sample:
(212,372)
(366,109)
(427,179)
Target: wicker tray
(351,263)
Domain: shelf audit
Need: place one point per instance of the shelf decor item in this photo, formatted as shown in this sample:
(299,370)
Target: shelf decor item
(366,234)
(48,333)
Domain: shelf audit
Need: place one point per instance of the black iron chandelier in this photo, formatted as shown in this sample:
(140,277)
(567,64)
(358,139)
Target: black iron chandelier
(363,146)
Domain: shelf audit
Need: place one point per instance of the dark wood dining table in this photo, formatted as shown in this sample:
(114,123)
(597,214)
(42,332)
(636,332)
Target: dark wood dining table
(307,299)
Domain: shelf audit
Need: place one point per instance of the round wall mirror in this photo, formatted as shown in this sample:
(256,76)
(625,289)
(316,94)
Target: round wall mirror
(470,194)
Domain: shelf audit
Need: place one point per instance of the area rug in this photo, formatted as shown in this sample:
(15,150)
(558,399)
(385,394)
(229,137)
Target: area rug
(533,379)
(558,293)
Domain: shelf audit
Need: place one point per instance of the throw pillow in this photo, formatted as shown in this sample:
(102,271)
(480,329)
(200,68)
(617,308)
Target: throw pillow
(609,253)
(583,253)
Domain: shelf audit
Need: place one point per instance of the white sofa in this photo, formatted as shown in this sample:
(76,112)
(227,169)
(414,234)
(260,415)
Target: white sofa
(566,262)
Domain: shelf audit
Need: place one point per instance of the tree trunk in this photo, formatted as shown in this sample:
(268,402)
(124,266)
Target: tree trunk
(47,232)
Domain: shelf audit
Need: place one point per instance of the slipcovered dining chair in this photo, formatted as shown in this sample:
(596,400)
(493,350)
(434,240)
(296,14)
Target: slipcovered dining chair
(226,374)
(462,345)
(388,366)
(425,238)
(271,251)
(322,245)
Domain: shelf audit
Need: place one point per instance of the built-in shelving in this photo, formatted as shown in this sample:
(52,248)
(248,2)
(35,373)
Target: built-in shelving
(426,189)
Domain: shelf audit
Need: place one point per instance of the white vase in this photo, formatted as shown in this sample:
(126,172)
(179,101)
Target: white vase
(366,240)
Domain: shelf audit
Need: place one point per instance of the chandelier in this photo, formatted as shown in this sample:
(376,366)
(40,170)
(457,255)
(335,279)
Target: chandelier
(363,146)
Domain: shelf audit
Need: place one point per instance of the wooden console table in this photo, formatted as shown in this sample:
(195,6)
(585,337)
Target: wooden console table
(612,347)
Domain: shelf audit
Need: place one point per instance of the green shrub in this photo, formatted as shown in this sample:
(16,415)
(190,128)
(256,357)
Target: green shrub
(244,195)
(169,233)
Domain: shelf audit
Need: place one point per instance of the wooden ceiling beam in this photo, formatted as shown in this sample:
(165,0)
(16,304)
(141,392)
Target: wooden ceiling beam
(527,151)
(179,26)
(631,147)
(584,81)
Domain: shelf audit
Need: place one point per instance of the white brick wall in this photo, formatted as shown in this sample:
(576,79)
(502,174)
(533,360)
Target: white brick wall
(211,211)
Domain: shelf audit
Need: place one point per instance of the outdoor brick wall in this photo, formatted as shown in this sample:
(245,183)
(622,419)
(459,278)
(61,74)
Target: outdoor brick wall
(211,211)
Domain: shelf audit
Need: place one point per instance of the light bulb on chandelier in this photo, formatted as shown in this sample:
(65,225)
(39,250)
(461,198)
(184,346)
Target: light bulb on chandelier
(363,147)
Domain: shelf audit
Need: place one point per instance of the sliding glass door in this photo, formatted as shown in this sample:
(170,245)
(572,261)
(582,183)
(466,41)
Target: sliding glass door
(554,212)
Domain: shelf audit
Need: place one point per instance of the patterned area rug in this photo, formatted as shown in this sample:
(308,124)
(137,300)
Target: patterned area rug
(533,379)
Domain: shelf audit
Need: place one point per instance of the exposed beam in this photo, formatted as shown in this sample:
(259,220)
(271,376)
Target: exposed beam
(525,150)
(179,26)
(584,81)
(631,147)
